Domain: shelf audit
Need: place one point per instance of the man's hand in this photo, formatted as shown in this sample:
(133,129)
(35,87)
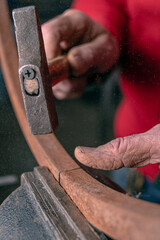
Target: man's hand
(133,151)
(88,45)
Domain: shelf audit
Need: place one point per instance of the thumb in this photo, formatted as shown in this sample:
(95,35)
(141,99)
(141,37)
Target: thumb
(100,53)
(132,151)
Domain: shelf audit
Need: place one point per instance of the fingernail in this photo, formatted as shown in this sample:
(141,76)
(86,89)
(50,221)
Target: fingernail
(63,45)
(85,149)
(75,57)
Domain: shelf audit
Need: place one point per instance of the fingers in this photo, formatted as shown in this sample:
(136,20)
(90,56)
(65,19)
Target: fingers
(100,53)
(64,31)
(132,151)
(89,46)
(89,43)
(69,88)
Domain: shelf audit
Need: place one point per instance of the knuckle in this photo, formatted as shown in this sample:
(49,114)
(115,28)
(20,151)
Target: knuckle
(118,150)
(81,59)
(117,145)
(76,61)
(75,56)
(69,12)
(73,12)
(78,18)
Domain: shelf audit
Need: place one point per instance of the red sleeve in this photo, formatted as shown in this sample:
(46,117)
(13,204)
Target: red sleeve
(109,13)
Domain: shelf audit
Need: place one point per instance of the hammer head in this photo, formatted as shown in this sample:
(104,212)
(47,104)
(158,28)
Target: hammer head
(33,72)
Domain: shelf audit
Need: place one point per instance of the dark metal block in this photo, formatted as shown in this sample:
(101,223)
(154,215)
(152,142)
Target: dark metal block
(41,210)
(33,72)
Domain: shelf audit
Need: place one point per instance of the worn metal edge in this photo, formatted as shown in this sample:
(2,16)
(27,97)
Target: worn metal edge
(10,76)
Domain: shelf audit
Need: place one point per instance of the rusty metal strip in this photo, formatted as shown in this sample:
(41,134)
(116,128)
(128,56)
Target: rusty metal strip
(116,214)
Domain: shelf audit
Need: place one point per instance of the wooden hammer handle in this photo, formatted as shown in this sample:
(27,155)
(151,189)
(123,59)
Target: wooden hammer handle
(58,69)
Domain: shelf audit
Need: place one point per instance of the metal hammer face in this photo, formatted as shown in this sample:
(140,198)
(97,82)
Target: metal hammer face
(33,72)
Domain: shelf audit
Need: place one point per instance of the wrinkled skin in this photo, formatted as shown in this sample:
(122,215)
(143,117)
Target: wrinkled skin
(88,46)
(132,151)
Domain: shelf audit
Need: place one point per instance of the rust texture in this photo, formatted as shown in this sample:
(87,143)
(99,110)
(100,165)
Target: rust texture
(33,72)
(116,214)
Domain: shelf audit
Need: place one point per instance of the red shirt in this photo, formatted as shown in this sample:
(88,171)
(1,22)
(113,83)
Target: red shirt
(136,25)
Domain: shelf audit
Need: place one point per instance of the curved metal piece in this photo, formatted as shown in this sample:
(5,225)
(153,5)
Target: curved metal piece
(116,214)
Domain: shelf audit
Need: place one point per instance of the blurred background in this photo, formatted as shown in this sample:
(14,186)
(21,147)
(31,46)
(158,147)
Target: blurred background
(85,121)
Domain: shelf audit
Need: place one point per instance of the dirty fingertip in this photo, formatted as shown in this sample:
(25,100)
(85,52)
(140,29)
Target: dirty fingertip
(80,150)
(80,155)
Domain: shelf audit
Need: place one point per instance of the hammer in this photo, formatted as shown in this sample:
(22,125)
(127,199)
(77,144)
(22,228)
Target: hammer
(34,73)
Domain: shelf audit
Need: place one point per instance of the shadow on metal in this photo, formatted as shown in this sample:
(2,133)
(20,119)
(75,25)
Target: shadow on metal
(114,213)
